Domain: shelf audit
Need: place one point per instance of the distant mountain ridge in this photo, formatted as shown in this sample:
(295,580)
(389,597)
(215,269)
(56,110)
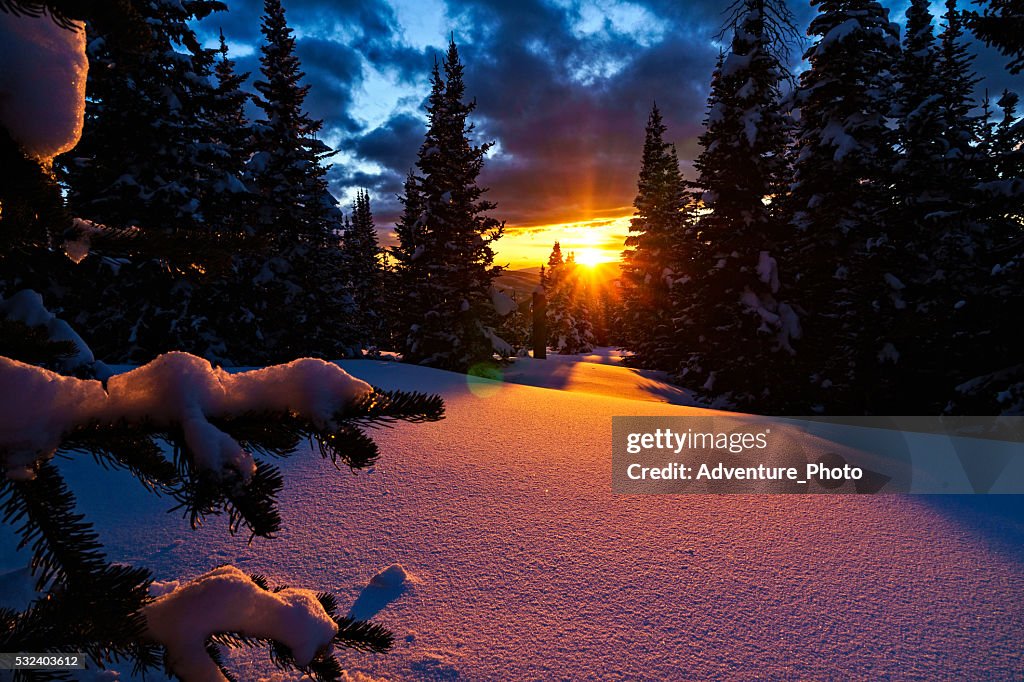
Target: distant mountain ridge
(524,280)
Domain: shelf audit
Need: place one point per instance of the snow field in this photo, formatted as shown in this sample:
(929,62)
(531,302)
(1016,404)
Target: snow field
(528,568)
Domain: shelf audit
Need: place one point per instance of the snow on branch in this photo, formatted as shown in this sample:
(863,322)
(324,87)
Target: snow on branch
(227,601)
(38,408)
(42,83)
(26,306)
(504,304)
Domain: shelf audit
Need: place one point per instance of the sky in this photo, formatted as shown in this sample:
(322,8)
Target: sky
(563,90)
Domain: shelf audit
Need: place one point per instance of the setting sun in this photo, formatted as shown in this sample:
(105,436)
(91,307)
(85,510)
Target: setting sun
(591,257)
(594,241)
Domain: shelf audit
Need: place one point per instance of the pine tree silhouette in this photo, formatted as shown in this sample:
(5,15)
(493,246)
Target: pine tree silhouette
(446,252)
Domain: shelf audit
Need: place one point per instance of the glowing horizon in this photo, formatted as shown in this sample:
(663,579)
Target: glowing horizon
(594,241)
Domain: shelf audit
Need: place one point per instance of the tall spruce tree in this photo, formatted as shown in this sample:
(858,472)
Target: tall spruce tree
(285,168)
(924,204)
(992,304)
(651,258)
(231,206)
(299,291)
(844,246)
(361,256)
(569,326)
(956,66)
(743,327)
(408,273)
(933,180)
(449,244)
(920,114)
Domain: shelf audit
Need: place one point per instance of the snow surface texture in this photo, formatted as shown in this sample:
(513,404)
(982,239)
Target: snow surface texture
(383,588)
(530,568)
(37,407)
(598,373)
(42,83)
(227,600)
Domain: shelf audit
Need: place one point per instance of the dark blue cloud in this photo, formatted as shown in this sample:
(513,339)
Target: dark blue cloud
(393,144)
(563,86)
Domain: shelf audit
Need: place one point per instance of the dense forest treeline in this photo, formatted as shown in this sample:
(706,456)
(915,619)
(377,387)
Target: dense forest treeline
(851,244)
(851,241)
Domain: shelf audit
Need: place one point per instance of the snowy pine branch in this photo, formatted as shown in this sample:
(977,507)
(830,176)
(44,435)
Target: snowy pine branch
(776,23)
(189,431)
(226,609)
(91,606)
(389,406)
(38,8)
(33,344)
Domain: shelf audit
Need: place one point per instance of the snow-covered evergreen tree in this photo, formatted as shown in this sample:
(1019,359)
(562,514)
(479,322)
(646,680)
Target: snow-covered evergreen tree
(956,68)
(155,96)
(408,273)
(570,330)
(933,179)
(285,168)
(921,116)
(733,308)
(298,280)
(231,206)
(992,302)
(841,200)
(446,251)
(361,254)
(153,161)
(989,320)
(1001,24)
(652,258)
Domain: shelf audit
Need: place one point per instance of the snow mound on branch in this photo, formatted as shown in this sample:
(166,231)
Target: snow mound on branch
(38,407)
(768,270)
(27,307)
(498,344)
(159,588)
(227,600)
(176,383)
(42,83)
(840,33)
(503,303)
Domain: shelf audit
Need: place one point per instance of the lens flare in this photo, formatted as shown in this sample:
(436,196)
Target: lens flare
(484,379)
